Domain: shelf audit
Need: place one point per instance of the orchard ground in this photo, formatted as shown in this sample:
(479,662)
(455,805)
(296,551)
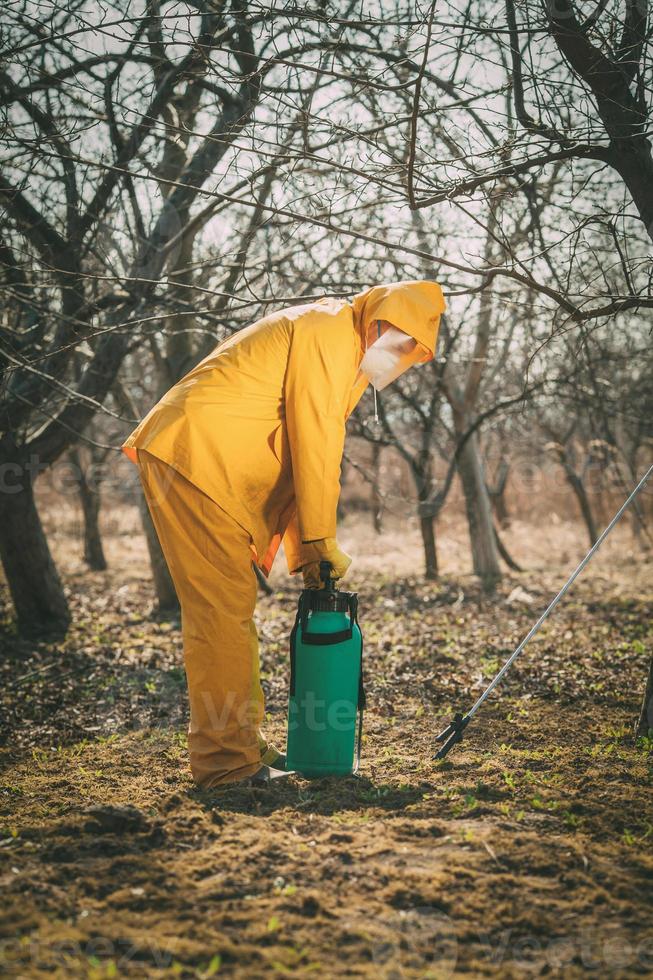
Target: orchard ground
(528,852)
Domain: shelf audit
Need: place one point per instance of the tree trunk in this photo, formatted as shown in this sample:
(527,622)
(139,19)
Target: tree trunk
(498,495)
(427,527)
(645,723)
(637,510)
(637,526)
(500,509)
(634,163)
(482,537)
(505,554)
(377,499)
(422,473)
(35,586)
(576,485)
(167,602)
(93,550)
(90,500)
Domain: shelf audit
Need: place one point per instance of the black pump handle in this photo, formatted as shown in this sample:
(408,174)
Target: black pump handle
(325,575)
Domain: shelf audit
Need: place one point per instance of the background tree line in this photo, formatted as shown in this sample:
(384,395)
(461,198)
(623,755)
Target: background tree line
(171,173)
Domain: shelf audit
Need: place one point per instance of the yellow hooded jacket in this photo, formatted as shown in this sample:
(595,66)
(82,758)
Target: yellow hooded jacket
(259,424)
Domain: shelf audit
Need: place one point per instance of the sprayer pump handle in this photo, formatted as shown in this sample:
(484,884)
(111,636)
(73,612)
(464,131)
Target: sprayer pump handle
(325,575)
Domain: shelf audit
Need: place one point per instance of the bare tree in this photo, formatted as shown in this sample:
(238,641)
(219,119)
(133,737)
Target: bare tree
(61,247)
(168,179)
(85,474)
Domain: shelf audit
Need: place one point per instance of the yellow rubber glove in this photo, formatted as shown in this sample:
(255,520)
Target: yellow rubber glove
(325,549)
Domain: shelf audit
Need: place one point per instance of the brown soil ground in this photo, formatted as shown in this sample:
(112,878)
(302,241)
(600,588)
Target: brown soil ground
(528,852)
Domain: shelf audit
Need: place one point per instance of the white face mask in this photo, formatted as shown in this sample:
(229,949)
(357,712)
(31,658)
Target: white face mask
(388,357)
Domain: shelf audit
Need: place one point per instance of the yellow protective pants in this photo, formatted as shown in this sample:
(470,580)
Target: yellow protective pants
(210,561)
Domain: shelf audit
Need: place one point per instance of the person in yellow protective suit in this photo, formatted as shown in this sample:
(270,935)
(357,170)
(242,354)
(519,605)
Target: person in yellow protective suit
(244,452)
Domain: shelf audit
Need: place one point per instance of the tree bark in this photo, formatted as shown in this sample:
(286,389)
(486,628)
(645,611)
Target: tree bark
(93,550)
(505,554)
(167,603)
(611,79)
(89,497)
(485,558)
(422,472)
(427,527)
(632,160)
(563,449)
(498,494)
(36,589)
(482,537)
(576,485)
(500,509)
(377,499)
(645,723)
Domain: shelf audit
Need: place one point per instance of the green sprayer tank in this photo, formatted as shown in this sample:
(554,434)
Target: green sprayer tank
(326,682)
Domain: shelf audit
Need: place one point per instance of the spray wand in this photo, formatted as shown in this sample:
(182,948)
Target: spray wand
(453,733)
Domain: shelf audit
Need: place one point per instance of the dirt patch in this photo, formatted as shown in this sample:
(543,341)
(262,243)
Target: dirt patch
(527,852)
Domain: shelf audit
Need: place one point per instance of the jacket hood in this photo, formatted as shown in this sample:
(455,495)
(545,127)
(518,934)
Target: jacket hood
(412,305)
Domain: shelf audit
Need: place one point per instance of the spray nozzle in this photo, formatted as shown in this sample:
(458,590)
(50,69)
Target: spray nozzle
(452,734)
